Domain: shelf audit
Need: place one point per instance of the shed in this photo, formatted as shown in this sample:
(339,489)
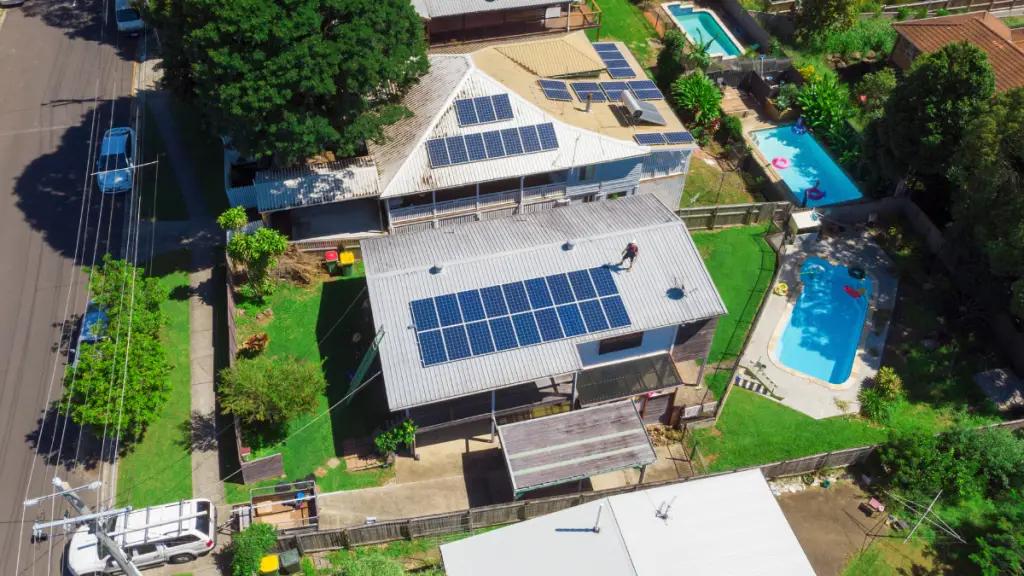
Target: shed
(575,445)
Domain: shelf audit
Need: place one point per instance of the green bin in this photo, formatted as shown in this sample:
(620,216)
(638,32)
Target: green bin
(291,563)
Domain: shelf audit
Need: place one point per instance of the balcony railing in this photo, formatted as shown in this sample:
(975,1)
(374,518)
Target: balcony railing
(476,203)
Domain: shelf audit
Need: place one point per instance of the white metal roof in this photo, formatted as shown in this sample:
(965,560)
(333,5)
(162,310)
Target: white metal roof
(413,175)
(516,248)
(315,184)
(729,524)
(441,8)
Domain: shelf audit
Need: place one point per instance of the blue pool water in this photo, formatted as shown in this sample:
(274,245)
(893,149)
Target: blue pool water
(703,25)
(809,164)
(823,332)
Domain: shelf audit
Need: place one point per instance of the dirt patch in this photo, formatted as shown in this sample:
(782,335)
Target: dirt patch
(714,431)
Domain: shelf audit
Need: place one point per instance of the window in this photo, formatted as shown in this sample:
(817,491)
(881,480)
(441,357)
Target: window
(616,195)
(182,540)
(620,343)
(589,198)
(909,51)
(143,549)
(203,522)
(587,172)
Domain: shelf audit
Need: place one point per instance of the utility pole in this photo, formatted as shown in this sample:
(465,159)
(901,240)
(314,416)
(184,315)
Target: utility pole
(86,516)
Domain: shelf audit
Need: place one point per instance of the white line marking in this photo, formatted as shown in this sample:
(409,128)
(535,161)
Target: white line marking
(31,130)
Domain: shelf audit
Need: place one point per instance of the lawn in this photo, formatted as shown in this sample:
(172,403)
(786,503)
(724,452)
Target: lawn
(162,201)
(164,448)
(207,155)
(306,324)
(413,555)
(706,187)
(1014,21)
(624,21)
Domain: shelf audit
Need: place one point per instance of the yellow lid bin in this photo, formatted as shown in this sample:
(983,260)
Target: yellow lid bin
(270,564)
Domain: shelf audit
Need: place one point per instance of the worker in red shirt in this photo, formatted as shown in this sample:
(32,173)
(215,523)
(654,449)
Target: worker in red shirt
(630,253)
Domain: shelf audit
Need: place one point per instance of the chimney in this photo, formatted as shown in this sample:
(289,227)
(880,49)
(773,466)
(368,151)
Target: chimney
(590,98)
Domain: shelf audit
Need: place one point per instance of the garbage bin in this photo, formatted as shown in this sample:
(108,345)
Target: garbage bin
(348,264)
(291,563)
(331,261)
(269,564)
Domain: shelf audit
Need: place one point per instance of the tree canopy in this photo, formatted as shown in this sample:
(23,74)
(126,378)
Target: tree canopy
(290,78)
(816,17)
(270,391)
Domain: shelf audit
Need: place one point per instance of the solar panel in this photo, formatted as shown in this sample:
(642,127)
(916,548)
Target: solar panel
(603,281)
(581,285)
(555,90)
(560,95)
(643,85)
(475,147)
(649,139)
(593,315)
(548,140)
(492,140)
(448,309)
(504,336)
(502,106)
(547,321)
(480,341)
(605,47)
(437,153)
(457,149)
(560,289)
(494,301)
(424,317)
(484,109)
(531,143)
(649,113)
(614,89)
(621,73)
(678,137)
(537,288)
(472,306)
(432,348)
(616,311)
(466,112)
(572,320)
(510,137)
(526,329)
(615,63)
(584,89)
(646,90)
(515,295)
(456,342)
(556,84)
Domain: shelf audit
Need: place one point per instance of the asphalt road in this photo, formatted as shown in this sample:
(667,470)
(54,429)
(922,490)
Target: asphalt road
(62,69)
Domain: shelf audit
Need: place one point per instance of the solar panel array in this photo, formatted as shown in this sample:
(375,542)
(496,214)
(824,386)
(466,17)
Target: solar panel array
(614,90)
(555,90)
(593,89)
(645,90)
(488,145)
(517,314)
(661,138)
(614,61)
(483,110)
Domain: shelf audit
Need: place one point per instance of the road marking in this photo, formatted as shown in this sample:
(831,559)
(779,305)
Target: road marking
(135,69)
(30,130)
(3,16)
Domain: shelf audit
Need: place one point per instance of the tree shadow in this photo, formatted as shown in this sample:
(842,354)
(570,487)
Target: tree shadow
(199,432)
(63,443)
(91,20)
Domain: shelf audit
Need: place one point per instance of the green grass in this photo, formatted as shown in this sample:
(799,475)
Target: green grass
(1014,21)
(207,155)
(168,204)
(164,448)
(305,324)
(702,186)
(624,21)
(412,554)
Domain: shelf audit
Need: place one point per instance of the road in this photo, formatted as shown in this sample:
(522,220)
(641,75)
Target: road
(60,64)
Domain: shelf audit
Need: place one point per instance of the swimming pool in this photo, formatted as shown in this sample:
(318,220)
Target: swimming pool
(823,332)
(701,26)
(809,164)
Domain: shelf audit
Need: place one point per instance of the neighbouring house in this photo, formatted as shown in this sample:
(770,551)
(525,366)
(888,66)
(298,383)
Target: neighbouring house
(493,320)
(729,524)
(457,22)
(1005,48)
(486,140)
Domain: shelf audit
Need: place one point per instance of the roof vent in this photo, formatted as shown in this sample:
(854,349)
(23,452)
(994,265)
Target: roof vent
(569,245)
(437,268)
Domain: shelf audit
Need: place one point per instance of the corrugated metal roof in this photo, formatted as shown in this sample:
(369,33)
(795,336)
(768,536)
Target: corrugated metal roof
(441,8)
(315,184)
(576,147)
(728,524)
(482,254)
(553,58)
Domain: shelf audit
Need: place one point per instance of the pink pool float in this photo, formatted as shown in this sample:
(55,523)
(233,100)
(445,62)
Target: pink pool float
(780,162)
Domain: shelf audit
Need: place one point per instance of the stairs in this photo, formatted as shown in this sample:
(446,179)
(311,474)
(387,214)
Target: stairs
(753,386)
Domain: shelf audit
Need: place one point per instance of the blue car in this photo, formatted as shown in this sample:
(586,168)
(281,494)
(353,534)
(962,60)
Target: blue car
(115,166)
(93,328)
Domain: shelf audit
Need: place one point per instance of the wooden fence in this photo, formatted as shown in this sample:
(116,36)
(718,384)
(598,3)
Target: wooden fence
(711,217)
(780,6)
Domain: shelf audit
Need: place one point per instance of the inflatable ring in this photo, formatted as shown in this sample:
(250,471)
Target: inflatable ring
(782,289)
(857,272)
(815,193)
(780,162)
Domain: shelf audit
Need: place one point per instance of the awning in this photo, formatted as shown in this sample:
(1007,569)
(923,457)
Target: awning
(575,445)
(626,379)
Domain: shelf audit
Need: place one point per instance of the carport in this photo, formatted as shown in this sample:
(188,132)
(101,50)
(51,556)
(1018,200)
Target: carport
(575,445)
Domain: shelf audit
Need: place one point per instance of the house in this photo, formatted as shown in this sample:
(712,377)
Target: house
(728,524)
(457,22)
(1005,48)
(486,140)
(488,320)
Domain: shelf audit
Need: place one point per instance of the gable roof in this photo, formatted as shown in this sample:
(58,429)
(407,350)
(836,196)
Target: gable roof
(517,248)
(979,28)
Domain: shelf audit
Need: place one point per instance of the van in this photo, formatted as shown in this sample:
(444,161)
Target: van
(168,534)
(129,20)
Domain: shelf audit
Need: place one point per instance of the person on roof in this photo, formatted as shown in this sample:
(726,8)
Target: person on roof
(630,253)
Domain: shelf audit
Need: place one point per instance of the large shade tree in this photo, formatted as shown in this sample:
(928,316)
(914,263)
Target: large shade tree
(288,78)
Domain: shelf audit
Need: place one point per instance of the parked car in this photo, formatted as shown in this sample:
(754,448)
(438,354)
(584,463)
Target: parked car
(9,3)
(129,20)
(148,536)
(116,163)
(92,329)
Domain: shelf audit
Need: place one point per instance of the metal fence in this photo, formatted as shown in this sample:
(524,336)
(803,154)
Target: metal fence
(711,217)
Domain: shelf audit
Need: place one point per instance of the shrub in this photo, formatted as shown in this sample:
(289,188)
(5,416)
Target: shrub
(808,73)
(873,90)
(731,129)
(258,252)
(921,12)
(374,565)
(233,218)
(699,97)
(875,407)
(270,391)
(872,34)
(402,435)
(942,12)
(902,14)
(787,97)
(888,383)
(822,16)
(249,546)
(672,58)
(698,55)
(825,104)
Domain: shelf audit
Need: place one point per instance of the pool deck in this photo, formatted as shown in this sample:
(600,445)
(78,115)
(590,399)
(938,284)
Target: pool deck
(809,395)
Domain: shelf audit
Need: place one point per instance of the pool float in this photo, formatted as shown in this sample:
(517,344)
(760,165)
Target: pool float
(857,272)
(782,289)
(849,290)
(799,127)
(815,193)
(780,162)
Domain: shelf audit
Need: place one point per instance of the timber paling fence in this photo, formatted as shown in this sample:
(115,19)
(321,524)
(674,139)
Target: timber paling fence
(510,513)
(711,217)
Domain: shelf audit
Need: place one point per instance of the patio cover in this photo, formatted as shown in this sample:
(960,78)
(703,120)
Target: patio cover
(627,379)
(575,445)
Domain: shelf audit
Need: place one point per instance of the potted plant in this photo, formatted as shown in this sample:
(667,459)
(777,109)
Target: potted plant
(387,442)
(783,106)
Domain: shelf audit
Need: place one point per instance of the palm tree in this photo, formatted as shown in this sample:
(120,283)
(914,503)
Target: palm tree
(699,55)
